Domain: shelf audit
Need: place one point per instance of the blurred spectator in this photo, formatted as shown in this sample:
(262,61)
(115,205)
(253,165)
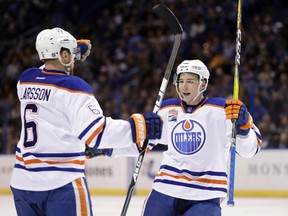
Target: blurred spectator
(131,48)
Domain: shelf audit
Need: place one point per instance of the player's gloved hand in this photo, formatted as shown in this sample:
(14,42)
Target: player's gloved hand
(92,152)
(235,109)
(85,48)
(145,126)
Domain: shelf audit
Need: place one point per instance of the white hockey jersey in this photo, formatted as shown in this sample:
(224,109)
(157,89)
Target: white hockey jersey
(195,165)
(59,116)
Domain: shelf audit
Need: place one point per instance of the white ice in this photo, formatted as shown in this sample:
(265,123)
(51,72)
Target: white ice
(112,206)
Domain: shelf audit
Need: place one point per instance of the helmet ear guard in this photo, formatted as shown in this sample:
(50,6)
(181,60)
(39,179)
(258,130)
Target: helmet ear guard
(175,79)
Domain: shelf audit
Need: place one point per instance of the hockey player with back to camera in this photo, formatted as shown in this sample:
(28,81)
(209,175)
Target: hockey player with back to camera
(192,179)
(60,118)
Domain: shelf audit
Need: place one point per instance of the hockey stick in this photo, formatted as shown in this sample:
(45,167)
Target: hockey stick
(230,201)
(169,18)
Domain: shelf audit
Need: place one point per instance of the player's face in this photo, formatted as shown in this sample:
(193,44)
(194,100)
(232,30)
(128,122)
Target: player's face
(188,86)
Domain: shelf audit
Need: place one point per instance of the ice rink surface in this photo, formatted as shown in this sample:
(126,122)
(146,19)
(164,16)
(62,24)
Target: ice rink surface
(112,206)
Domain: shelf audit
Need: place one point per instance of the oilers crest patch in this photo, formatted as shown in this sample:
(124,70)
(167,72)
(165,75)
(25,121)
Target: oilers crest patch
(188,137)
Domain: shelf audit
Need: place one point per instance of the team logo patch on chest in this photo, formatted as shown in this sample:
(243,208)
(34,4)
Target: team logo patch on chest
(188,137)
(172,115)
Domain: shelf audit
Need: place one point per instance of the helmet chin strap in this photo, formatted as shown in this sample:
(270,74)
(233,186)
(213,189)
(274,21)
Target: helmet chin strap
(68,65)
(198,94)
(198,90)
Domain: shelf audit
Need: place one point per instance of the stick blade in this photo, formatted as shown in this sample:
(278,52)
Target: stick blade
(168,17)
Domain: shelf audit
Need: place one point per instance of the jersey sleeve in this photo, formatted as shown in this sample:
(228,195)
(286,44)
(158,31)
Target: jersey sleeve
(248,146)
(95,129)
(131,151)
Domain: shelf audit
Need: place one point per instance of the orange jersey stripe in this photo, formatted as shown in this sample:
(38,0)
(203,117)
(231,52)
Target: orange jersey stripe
(19,158)
(35,161)
(95,133)
(55,86)
(199,105)
(182,107)
(259,142)
(57,73)
(205,180)
(83,205)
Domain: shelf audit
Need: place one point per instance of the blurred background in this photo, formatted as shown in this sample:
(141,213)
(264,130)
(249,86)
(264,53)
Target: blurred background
(131,48)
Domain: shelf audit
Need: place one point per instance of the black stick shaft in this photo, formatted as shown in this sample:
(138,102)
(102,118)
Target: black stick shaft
(170,19)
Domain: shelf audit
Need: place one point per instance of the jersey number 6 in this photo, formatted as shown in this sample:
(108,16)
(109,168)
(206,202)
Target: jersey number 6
(30,137)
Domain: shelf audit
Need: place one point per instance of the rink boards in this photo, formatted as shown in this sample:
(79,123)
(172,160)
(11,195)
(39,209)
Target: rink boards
(265,175)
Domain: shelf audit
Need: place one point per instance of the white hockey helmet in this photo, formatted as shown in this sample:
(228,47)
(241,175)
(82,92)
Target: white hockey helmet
(50,41)
(192,66)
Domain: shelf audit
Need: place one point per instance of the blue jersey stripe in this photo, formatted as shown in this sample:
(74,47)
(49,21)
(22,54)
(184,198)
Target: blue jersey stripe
(165,181)
(212,173)
(40,155)
(84,132)
(18,150)
(41,169)
(258,135)
(100,135)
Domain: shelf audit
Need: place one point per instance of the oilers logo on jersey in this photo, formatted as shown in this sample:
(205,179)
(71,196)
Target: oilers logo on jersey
(188,136)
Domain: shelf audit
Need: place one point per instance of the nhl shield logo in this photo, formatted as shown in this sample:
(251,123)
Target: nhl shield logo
(188,137)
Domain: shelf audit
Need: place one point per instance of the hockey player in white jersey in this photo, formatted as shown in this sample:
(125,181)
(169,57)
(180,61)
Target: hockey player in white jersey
(192,178)
(60,116)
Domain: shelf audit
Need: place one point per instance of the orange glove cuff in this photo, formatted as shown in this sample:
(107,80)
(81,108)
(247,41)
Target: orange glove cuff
(248,124)
(83,41)
(140,128)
